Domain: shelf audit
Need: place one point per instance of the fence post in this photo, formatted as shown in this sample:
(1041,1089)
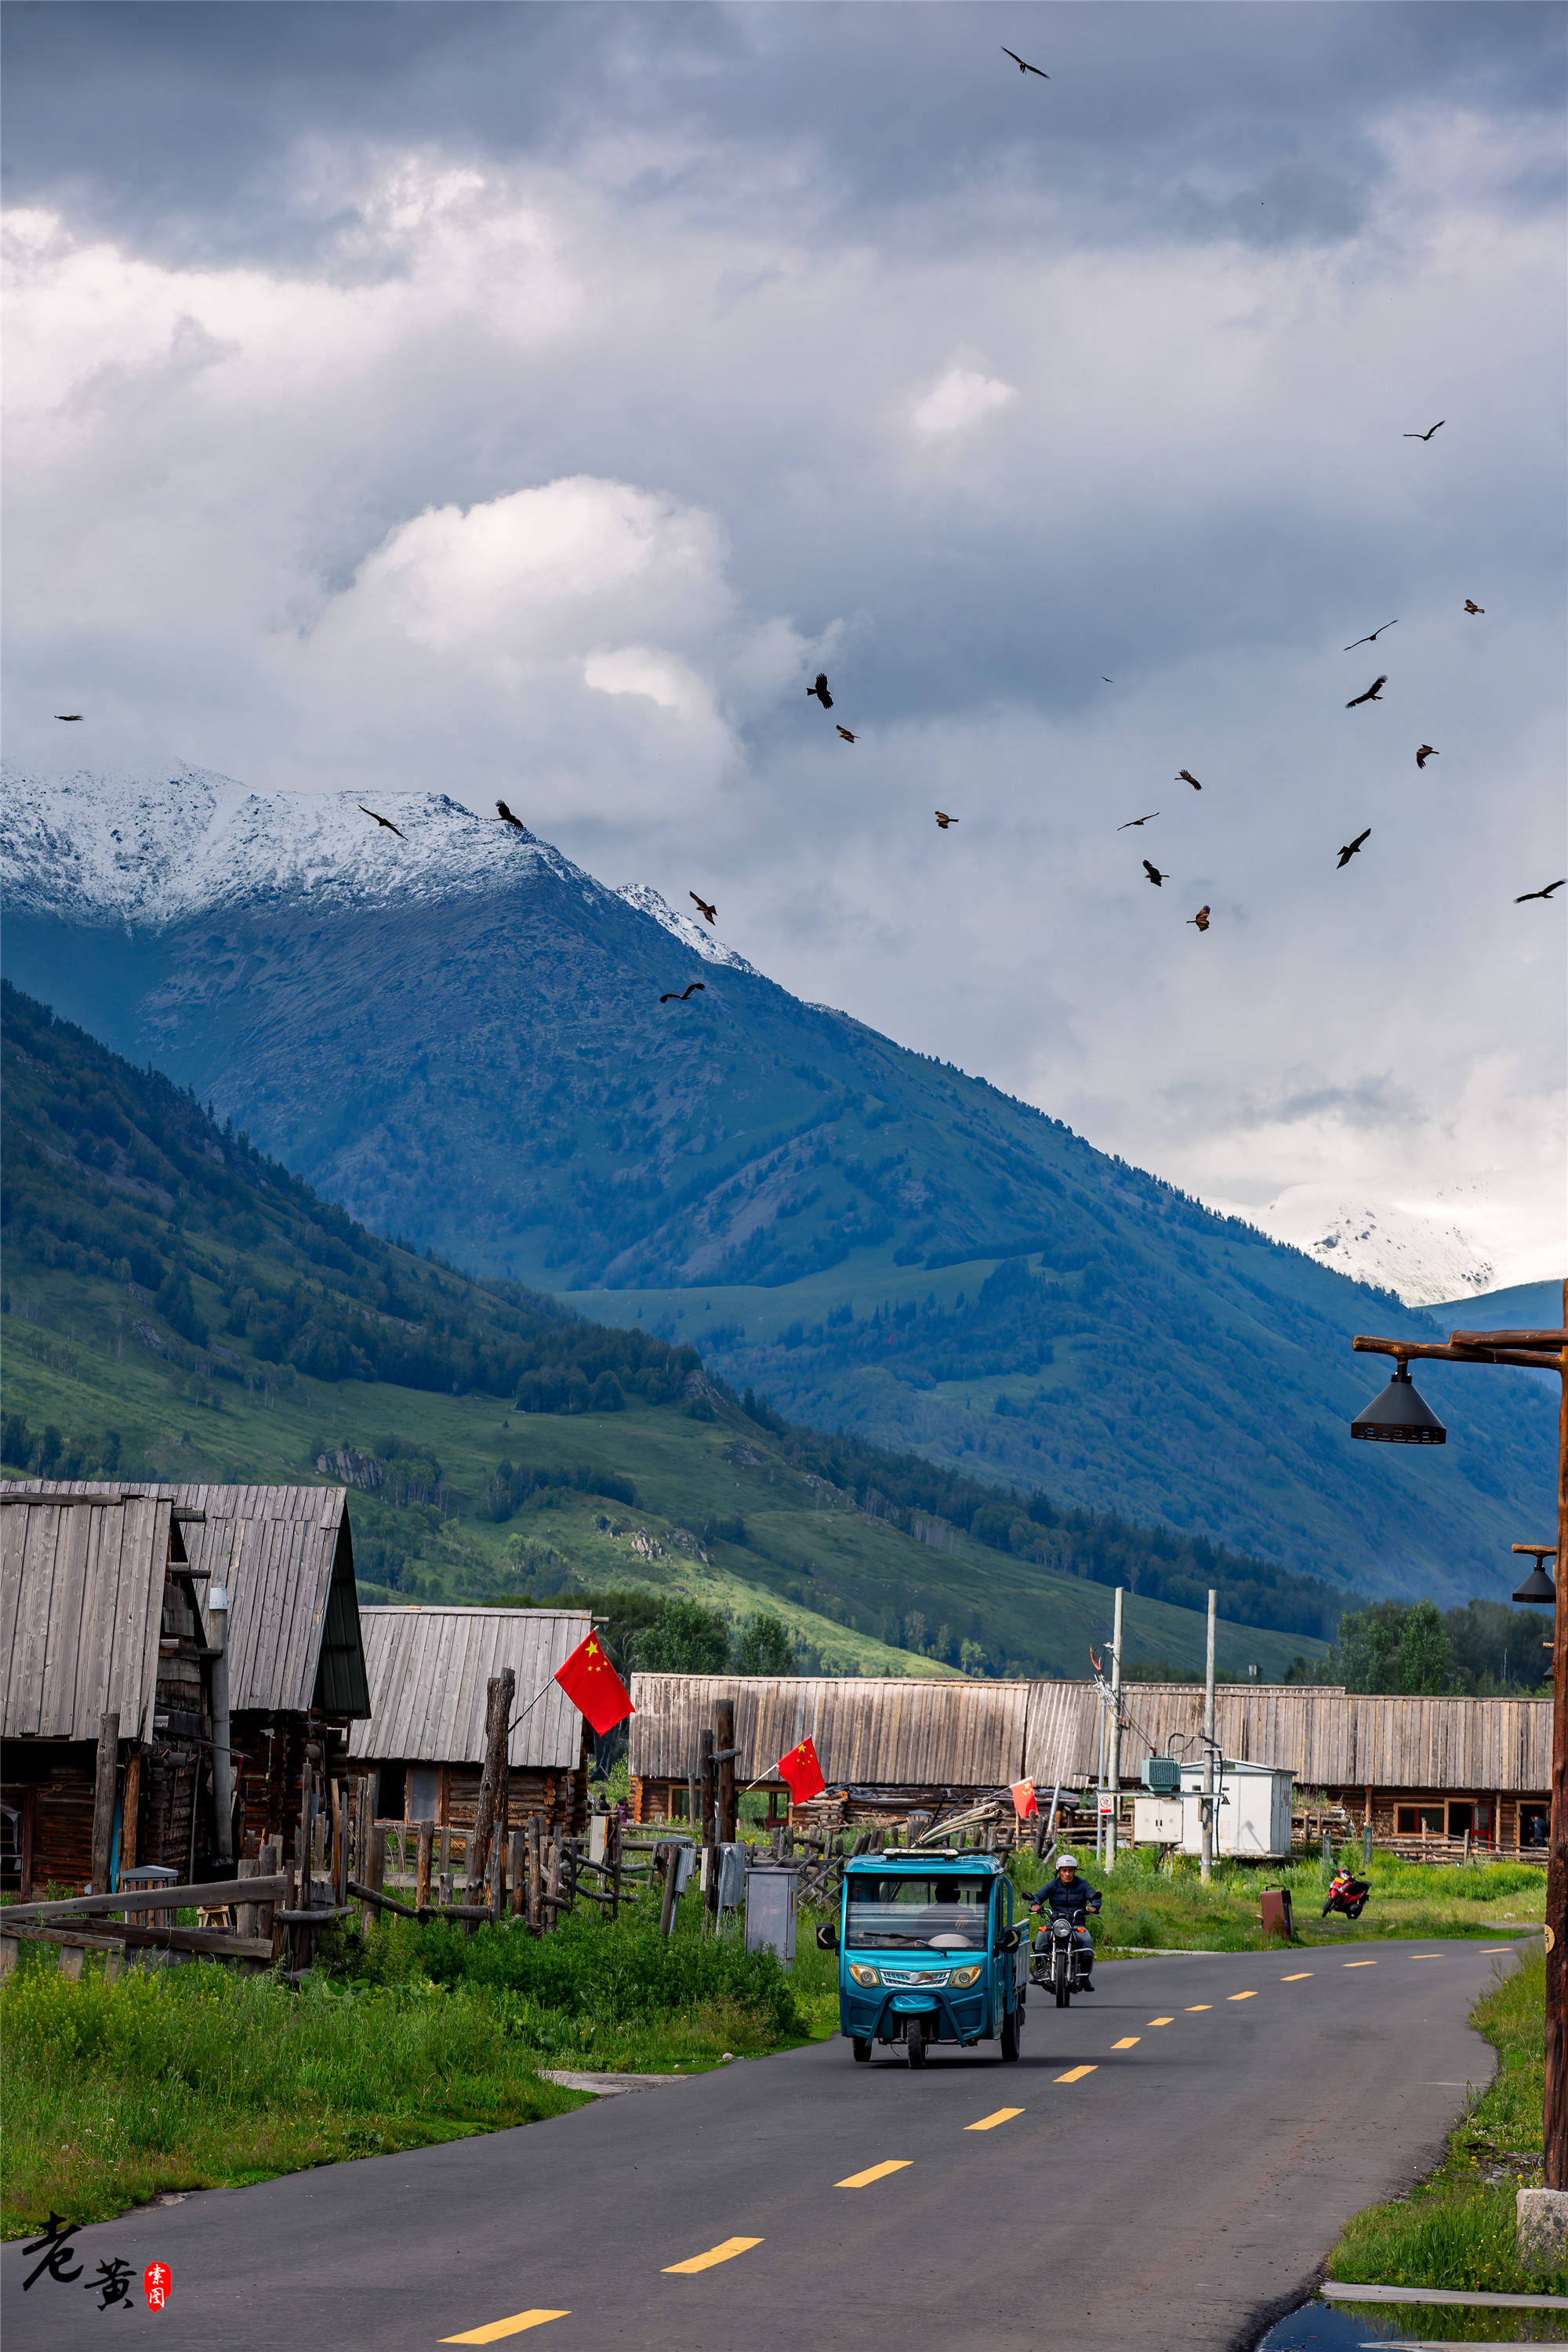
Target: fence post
(724,1739)
(517,1865)
(103,1800)
(552,1886)
(499,1692)
(423,1853)
(536,1873)
(667,1905)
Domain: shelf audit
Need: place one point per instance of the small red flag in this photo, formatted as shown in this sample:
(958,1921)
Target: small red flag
(1024,1799)
(593,1688)
(803,1773)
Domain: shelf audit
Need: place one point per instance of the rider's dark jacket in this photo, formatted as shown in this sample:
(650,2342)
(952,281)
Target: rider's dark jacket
(1074,1899)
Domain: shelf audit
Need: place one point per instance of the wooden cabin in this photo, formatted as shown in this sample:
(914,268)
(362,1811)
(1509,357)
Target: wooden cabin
(423,1740)
(283,1556)
(886,1746)
(107,1711)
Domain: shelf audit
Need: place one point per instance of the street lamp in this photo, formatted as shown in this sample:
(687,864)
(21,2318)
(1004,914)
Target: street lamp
(1402,1417)
(1538,1586)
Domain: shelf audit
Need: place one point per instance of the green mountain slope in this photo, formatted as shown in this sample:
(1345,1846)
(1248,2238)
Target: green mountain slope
(175,1305)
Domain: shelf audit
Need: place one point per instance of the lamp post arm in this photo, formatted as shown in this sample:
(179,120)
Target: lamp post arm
(1535,1361)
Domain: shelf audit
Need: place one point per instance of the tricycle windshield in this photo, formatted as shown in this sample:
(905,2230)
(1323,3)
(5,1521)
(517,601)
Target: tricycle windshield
(941,1913)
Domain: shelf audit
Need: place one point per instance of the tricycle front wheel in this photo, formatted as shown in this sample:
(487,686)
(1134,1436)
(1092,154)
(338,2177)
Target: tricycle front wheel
(862,2049)
(1013,2032)
(915,2041)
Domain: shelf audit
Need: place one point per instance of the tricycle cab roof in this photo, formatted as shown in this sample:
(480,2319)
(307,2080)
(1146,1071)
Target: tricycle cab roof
(990,1866)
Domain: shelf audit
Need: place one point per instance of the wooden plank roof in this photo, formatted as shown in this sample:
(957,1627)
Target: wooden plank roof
(285,1555)
(867,1732)
(428,1667)
(81,1597)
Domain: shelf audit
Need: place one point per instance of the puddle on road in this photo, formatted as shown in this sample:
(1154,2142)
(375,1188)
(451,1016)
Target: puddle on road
(1343,2328)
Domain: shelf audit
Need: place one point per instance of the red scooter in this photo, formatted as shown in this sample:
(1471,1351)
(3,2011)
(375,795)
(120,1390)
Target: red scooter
(1347,1895)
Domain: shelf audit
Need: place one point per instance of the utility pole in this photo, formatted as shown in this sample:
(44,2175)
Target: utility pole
(1398,1415)
(1115,1731)
(1206,1868)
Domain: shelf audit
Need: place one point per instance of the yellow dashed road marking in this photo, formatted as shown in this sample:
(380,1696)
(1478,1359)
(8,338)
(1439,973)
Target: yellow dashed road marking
(1130,2042)
(875,2172)
(1426,1956)
(1361,1964)
(1487,1949)
(1075,2074)
(1198,2005)
(1161,2020)
(1297,1978)
(726,2253)
(989,2123)
(499,2327)
(1241,1996)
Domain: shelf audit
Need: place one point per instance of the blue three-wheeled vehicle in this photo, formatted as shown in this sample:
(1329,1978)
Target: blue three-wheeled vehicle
(928,1952)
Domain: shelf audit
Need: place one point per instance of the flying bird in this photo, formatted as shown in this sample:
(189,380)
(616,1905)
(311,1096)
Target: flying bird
(72,717)
(1373,694)
(845,732)
(1019,61)
(1428,434)
(1201,918)
(944,820)
(386,821)
(1377,633)
(680,995)
(703,909)
(1540,894)
(1428,752)
(1349,851)
(820,690)
(1471,607)
(507,817)
(1185,776)
(1153,873)
(1106,681)
(1137,820)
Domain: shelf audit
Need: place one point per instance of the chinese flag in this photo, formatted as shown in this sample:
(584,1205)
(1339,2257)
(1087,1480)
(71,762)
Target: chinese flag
(1023,1799)
(803,1773)
(593,1688)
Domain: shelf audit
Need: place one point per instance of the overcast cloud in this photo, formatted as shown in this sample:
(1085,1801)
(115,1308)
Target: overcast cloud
(527,401)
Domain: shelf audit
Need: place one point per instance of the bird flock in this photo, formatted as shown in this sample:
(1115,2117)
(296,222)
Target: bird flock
(819,690)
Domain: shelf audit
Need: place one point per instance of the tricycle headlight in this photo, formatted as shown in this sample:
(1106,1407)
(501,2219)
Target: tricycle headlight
(862,1974)
(963,1978)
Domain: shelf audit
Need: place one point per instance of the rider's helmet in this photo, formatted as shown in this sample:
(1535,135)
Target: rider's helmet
(1067,1861)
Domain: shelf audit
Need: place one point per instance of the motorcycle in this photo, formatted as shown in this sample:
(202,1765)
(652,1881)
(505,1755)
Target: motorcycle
(1060,1962)
(1347,1895)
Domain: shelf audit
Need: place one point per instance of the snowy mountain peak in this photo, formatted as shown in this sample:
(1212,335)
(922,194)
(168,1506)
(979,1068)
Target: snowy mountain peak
(685,927)
(150,850)
(1422,1258)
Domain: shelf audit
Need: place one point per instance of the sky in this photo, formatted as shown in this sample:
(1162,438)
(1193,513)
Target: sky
(528,401)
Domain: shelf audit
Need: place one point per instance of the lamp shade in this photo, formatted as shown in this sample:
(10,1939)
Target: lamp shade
(1400,1416)
(1538,1585)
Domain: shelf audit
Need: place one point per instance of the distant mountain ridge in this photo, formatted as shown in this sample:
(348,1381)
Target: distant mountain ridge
(459,1039)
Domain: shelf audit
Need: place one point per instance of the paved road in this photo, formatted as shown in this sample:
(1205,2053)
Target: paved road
(1182,2149)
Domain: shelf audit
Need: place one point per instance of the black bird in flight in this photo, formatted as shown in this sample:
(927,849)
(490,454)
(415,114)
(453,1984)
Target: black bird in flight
(680,995)
(1471,607)
(1185,776)
(1373,694)
(1201,918)
(703,909)
(1106,681)
(944,820)
(1428,752)
(1540,894)
(1019,61)
(1349,851)
(845,732)
(386,821)
(72,717)
(1137,820)
(1154,874)
(820,690)
(1375,635)
(507,817)
(1428,434)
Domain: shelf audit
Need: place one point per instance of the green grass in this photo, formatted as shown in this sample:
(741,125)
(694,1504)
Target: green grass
(1457,2229)
(1146,1909)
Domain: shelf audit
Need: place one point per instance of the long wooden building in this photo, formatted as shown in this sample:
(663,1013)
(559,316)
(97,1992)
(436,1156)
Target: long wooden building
(1411,1766)
(422,1737)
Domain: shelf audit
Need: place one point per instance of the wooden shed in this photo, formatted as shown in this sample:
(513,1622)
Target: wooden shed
(887,1746)
(107,1703)
(424,1738)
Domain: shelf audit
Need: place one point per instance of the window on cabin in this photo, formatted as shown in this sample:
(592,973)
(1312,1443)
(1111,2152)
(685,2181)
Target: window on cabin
(422,1802)
(392,1797)
(1420,1821)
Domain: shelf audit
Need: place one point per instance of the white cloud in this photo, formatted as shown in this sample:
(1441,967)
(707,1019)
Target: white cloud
(959,398)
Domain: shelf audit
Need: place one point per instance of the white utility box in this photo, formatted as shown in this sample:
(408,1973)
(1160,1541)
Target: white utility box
(1252,1812)
(771,1911)
(1157,1820)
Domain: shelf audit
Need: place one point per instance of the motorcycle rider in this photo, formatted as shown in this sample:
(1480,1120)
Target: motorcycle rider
(1070,1893)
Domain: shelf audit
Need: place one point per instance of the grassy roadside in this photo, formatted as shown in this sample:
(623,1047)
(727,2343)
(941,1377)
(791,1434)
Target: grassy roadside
(194,2078)
(1457,2228)
(1146,1909)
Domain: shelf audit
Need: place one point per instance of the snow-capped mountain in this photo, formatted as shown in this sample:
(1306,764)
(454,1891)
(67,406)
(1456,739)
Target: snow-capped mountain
(1423,1259)
(119,848)
(685,928)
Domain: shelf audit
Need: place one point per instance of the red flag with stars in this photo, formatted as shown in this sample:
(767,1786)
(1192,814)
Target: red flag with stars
(801,1773)
(1024,1800)
(593,1688)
